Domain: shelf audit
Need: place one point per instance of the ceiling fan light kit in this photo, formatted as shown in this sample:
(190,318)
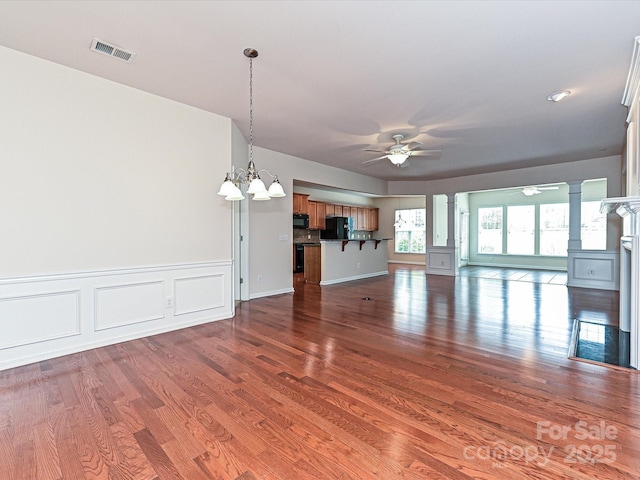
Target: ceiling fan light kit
(530,191)
(399,153)
(398,158)
(557,96)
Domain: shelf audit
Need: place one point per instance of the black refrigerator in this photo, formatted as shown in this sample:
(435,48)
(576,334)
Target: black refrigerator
(337,228)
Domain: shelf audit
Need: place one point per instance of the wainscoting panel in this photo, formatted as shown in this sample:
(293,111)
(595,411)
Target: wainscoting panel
(197,294)
(441,260)
(38,318)
(127,304)
(52,315)
(598,269)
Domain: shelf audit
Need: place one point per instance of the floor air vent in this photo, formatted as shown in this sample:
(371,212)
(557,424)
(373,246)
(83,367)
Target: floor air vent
(112,51)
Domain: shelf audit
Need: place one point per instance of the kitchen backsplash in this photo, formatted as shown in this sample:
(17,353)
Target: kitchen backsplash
(300,235)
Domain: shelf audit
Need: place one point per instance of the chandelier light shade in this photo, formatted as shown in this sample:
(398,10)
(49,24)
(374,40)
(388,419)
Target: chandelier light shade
(276,190)
(230,188)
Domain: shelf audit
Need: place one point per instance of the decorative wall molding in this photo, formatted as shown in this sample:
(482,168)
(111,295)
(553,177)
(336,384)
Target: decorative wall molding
(441,260)
(593,269)
(198,294)
(119,305)
(39,318)
(633,77)
(51,315)
(109,272)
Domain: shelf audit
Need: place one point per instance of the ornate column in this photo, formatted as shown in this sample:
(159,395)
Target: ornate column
(441,260)
(428,204)
(575,204)
(451,219)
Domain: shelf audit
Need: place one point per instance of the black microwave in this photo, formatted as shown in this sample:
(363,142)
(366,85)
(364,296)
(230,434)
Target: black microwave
(300,220)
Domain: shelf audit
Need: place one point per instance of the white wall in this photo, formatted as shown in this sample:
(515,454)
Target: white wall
(111,228)
(97,175)
(271,232)
(604,167)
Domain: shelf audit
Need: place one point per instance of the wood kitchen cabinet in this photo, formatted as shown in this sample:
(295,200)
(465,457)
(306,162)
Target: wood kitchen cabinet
(301,203)
(317,215)
(321,213)
(361,218)
(312,265)
(365,219)
(330,210)
(374,219)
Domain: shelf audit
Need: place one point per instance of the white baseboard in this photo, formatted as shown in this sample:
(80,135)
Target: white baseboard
(407,263)
(357,277)
(52,315)
(271,293)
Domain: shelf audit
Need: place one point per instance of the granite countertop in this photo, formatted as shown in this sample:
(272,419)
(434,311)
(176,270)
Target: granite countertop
(353,239)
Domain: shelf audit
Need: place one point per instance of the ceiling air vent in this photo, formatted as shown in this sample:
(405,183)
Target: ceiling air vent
(111,50)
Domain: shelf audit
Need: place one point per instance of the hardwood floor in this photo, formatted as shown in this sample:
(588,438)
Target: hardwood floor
(394,377)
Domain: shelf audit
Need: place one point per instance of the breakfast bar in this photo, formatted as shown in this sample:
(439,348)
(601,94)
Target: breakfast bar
(353,259)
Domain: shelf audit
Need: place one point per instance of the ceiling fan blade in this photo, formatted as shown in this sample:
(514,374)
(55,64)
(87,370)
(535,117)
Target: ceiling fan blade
(425,152)
(373,150)
(374,160)
(413,145)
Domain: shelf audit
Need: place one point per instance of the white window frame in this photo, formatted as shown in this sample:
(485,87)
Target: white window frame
(414,226)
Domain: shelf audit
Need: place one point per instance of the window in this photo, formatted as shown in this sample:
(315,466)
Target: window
(521,226)
(410,231)
(490,230)
(593,228)
(554,229)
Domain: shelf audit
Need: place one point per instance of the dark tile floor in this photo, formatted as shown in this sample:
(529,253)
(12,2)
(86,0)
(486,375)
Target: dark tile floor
(552,277)
(599,343)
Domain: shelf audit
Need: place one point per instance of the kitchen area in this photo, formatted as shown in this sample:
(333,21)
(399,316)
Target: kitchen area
(334,243)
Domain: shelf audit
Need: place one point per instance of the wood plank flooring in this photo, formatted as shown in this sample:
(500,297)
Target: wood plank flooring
(395,377)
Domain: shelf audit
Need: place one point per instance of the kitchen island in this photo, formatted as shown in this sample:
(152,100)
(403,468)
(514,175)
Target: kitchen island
(346,260)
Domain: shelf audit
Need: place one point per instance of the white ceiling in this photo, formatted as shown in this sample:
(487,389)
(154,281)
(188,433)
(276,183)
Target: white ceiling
(336,77)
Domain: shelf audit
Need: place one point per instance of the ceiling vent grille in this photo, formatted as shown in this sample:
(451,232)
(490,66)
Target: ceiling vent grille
(111,50)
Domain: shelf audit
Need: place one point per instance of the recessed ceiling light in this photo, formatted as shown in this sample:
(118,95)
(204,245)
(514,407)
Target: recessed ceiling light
(556,97)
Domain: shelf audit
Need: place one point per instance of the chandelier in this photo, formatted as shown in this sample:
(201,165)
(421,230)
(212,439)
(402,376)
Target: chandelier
(230,188)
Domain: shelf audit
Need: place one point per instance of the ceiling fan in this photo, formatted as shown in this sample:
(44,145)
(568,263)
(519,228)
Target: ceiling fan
(400,152)
(530,191)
